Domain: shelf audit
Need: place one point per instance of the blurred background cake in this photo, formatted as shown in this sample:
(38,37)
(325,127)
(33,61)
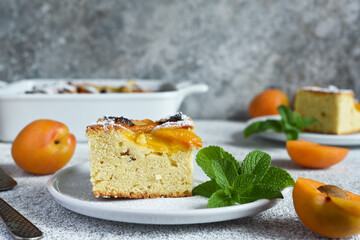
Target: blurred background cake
(336,110)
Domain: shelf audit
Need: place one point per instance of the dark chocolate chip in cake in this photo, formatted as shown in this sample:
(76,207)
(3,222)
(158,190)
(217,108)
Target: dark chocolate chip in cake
(174,118)
(120,120)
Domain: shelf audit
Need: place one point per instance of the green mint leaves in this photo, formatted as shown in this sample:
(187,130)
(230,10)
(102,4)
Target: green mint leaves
(290,123)
(234,183)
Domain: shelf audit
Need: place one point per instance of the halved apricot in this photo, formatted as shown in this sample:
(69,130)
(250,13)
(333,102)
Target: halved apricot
(184,136)
(267,102)
(326,214)
(313,155)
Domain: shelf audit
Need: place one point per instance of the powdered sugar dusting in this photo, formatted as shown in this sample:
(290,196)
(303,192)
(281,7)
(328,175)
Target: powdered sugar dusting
(179,124)
(178,120)
(329,89)
(91,89)
(184,121)
(55,88)
(106,122)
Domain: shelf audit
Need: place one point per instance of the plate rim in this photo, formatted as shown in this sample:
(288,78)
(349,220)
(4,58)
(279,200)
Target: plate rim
(321,138)
(63,198)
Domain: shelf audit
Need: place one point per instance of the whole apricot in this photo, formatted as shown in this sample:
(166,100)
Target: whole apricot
(313,155)
(326,209)
(267,102)
(43,147)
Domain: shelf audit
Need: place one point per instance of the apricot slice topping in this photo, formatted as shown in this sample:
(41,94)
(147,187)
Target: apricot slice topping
(184,136)
(313,155)
(323,211)
(357,106)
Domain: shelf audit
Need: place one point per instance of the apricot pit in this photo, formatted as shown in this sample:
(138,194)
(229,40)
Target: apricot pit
(333,191)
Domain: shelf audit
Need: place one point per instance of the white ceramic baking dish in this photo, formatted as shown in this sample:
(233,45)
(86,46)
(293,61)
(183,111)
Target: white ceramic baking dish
(18,109)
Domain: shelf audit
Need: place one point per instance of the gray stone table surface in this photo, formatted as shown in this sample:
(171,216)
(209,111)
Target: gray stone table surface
(33,200)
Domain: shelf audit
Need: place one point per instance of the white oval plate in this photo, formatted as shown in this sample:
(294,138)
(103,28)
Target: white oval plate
(71,187)
(327,139)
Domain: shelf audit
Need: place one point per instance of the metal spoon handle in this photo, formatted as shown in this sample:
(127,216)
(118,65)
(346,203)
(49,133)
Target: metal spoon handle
(17,225)
(6,182)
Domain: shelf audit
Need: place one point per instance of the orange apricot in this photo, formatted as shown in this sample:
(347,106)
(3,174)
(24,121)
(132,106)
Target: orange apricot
(324,211)
(313,155)
(267,102)
(43,147)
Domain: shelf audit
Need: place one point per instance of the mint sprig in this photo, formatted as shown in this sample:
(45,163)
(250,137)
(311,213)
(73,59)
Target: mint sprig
(232,182)
(290,123)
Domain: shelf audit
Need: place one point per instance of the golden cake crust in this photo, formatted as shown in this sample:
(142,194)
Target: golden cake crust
(139,126)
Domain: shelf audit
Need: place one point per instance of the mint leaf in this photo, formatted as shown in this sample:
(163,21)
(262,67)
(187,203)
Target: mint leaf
(225,172)
(287,115)
(256,192)
(277,178)
(206,189)
(229,157)
(206,155)
(242,182)
(257,163)
(220,199)
(262,126)
(291,132)
(290,123)
(231,182)
(306,122)
(303,122)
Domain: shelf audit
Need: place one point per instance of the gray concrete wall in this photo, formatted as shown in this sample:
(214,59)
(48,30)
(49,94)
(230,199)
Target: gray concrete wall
(237,47)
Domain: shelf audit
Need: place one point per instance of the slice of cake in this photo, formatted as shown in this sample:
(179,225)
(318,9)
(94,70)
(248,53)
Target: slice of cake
(336,110)
(142,158)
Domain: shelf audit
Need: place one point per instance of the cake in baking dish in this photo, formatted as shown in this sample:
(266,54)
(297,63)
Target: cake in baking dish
(62,87)
(142,158)
(336,110)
